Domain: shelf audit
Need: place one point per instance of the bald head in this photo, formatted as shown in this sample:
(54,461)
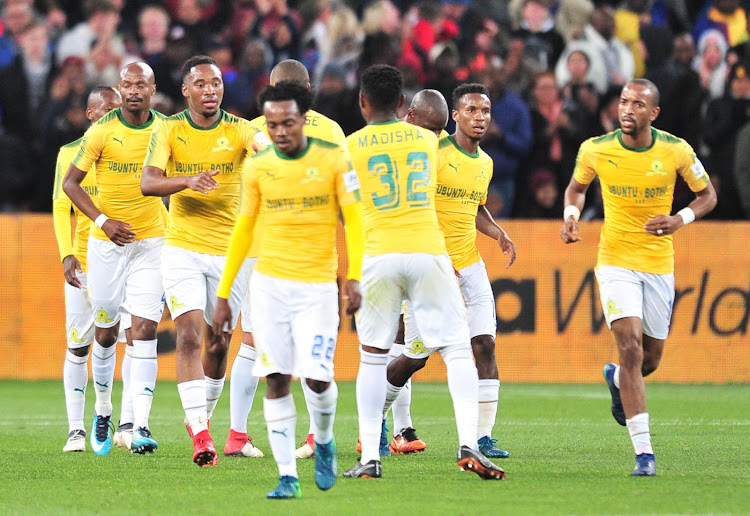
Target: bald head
(428,109)
(102,100)
(290,70)
(138,68)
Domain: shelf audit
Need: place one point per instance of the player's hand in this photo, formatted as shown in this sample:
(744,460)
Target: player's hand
(203,182)
(352,296)
(508,247)
(569,231)
(662,225)
(458,274)
(71,265)
(118,232)
(222,318)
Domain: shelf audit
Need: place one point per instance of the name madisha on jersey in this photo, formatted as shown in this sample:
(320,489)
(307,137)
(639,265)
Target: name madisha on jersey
(298,203)
(386,137)
(197,168)
(634,191)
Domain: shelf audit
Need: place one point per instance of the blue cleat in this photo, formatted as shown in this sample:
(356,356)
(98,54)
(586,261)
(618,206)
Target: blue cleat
(101,441)
(288,488)
(385,449)
(488,449)
(142,441)
(326,465)
(617,411)
(645,465)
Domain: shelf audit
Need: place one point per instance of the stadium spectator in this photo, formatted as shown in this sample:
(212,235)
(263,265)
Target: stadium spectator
(571,17)
(742,168)
(544,200)
(543,45)
(253,71)
(336,100)
(189,26)
(16,16)
(617,57)
(280,27)
(579,64)
(726,16)
(710,63)
(153,47)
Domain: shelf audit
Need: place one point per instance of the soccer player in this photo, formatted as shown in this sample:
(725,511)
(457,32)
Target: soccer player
(464,173)
(637,166)
(79,319)
(243,385)
(406,258)
(124,250)
(297,186)
(205,147)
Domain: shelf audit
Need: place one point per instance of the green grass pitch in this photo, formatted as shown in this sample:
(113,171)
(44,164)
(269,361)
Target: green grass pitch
(568,457)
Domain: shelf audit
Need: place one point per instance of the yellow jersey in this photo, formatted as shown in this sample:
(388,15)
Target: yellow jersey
(637,184)
(297,200)
(117,149)
(202,222)
(61,205)
(397,167)
(462,183)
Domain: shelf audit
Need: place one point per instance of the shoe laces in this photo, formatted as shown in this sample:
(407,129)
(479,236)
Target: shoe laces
(103,424)
(77,433)
(145,432)
(409,434)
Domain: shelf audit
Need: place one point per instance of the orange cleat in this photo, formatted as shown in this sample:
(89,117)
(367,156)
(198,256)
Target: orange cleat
(239,444)
(407,442)
(205,453)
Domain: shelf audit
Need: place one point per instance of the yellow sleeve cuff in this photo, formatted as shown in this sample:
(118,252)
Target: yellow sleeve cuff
(239,245)
(355,239)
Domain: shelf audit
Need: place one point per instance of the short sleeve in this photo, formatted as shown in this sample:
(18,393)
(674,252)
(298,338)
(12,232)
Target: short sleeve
(690,168)
(159,148)
(347,181)
(91,148)
(585,169)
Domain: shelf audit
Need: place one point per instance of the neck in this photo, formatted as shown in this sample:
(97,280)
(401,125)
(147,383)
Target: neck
(468,144)
(385,116)
(204,121)
(640,140)
(299,150)
(137,118)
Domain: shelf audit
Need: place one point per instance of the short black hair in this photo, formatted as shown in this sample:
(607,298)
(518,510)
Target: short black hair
(195,61)
(645,83)
(287,90)
(468,89)
(98,90)
(383,86)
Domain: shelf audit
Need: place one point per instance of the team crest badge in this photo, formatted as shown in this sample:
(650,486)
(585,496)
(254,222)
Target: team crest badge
(657,169)
(312,175)
(222,144)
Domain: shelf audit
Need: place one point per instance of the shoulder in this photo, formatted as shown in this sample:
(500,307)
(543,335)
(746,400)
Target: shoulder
(158,115)
(668,138)
(108,119)
(72,145)
(483,156)
(445,142)
(323,144)
(602,141)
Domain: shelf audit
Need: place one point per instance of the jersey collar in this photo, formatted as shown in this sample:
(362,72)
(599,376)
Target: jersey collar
(639,149)
(127,124)
(199,128)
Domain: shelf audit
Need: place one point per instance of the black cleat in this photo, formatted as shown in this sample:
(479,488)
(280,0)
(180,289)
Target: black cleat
(372,469)
(475,462)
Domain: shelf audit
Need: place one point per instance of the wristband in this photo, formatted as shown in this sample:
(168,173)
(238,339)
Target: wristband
(571,209)
(100,220)
(687,214)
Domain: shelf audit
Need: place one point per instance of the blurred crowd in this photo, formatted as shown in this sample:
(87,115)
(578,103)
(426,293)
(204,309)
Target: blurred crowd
(554,70)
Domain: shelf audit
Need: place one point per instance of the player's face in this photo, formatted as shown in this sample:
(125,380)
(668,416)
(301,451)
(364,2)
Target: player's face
(430,120)
(136,87)
(636,110)
(204,89)
(285,125)
(104,103)
(473,115)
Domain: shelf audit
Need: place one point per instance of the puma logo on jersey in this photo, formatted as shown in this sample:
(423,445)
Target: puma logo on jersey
(615,164)
(118,141)
(183,140)
(454,167)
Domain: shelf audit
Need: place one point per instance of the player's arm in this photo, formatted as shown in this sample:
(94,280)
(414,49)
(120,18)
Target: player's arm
(575,197)
(486,225)
(61,205)
(154,182)
(704,202)
(355,250)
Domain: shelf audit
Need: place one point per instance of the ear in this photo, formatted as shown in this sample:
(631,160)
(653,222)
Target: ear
(454,115)
(184,90)
(362,101)
(655,113)
(402,102)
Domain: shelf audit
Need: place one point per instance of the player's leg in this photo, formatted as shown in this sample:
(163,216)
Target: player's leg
(271,319)
(124,434)
(79,322)
(377,323)
(106,275)
(243,384)
(145,295)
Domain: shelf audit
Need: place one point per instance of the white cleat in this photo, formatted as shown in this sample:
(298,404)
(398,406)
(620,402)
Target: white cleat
(305,451)
(76,441)
(249,450)
(123,437)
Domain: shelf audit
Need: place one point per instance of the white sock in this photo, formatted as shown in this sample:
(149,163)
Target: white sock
(322,407)
(281,420)
(126,411)
(640,433)
(616,377)
(391,395)
(214,386)
(402,409)
(488,394)
(143,380)
(75,379)
(371,385)
(306,390)
(242,388)
(463,384)
(193,396)
(103,361)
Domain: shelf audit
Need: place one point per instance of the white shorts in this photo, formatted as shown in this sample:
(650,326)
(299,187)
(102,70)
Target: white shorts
(246,322)
(428,283)
(126,322)
(191,280)
(481,312)
(129,272)
(79,318)
(295,327)
(628,293)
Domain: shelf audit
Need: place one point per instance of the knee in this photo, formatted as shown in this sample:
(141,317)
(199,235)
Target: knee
(650,363)
(143,329)
(106,337)
(483,347)
(189,340)
(317,386)
(630,350)
(79,352)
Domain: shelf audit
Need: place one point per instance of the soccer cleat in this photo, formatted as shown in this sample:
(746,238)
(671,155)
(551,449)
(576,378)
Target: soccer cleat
(190,430)
(288,488)
(372,469)
(487,447)
(645,465)
(239,444)
(609,376)
(123,436)
(143,442)
(306,448)
(475,462)
(204,451)
(407,442)
(76,441)
(326,465)
(101,441)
